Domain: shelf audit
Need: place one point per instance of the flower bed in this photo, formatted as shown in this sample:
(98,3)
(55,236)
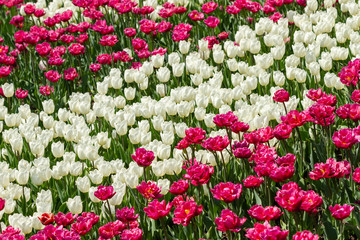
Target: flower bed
(184,119)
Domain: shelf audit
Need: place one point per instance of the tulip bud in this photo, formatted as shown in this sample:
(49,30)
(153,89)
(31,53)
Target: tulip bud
(178,69)
(299,50)
(76,168)
(116,82)
(74,205)
(203,44)
(22,177)
(83,184)
(8,89)
(147,68)
(173,58)
(57,149)
(209,120)
(96,177)
(9,206)
(129,93)
(264,78)
(157,60)
(48,106)
(279,78)
(184,47)
(300,75)
(163,74)
(218,56)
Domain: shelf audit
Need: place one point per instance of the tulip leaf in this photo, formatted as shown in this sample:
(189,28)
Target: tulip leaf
(330,231)
(355,229)
(257,198)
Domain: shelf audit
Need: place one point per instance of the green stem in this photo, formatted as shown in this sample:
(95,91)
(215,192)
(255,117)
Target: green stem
(164,228)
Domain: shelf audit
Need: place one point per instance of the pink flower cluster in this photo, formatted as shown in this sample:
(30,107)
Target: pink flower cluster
(331,169)
(293,199)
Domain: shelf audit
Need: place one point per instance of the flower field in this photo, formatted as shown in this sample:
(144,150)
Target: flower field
(179,119)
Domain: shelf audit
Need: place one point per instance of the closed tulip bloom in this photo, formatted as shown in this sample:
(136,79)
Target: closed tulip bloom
(237,127)
(130,32)
(281,173)
(227,192)
(305,235)
(229,221)
(75,205)
(5,71)
(184,47)
(341,212)
(156,209)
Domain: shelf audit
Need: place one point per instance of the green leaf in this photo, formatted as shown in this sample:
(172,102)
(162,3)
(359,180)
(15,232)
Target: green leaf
(330,231)
(257,198)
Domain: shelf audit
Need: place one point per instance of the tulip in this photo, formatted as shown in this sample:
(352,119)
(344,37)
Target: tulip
(229,221)
(185,211)
(268,213)
(46,218)
(75,205)
(149,190)
(266,231)
(179,187)
(227,192)
(132,234)
(143,157)
(8,89)
(156,209)
(341,212)
(305,235)
(126,214)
